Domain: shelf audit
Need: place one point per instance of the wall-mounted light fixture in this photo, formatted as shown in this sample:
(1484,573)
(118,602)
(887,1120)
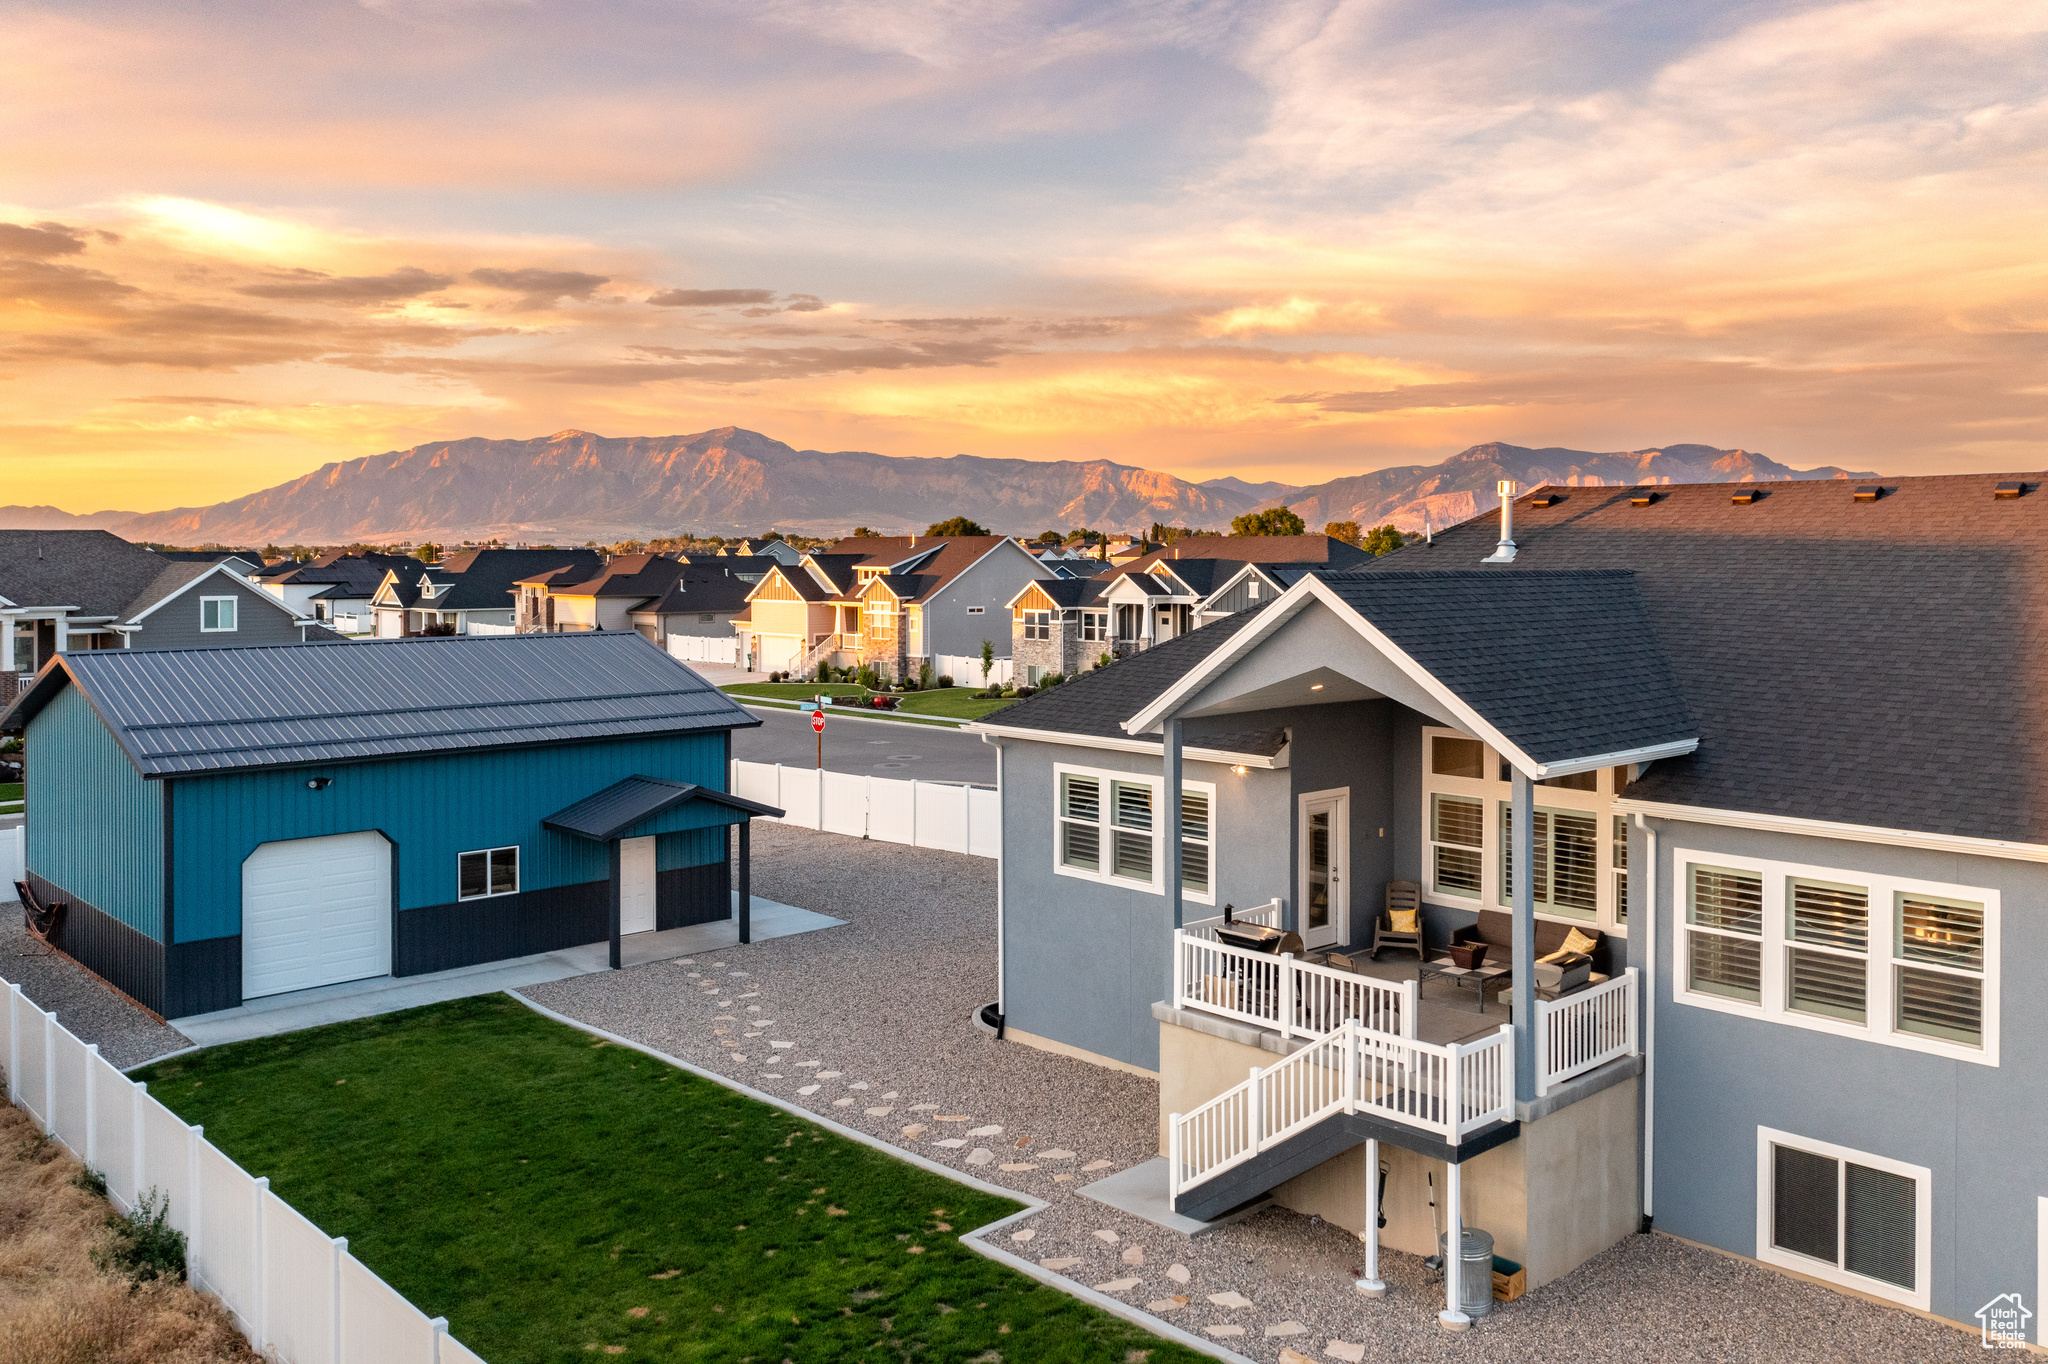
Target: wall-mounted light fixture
(1315,686)
(319,783)
(1239,769)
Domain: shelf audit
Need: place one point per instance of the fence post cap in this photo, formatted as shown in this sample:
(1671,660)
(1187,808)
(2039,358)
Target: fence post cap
(263,1182)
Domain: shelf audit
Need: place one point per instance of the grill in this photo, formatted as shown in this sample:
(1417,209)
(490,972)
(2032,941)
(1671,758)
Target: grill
(1259,938)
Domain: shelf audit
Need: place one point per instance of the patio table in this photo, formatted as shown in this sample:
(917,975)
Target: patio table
(1483,978)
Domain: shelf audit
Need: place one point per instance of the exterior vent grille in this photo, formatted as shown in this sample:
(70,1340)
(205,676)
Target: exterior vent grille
(1545,500)
(1870,494)
(2007,490)
(1642,499)
(1742,497)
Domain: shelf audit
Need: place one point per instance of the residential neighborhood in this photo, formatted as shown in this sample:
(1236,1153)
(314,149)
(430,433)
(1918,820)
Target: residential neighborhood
(1456,939)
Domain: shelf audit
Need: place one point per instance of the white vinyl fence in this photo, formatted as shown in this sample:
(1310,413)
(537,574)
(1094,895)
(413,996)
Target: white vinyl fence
(13,857)
(966,671)
(924,814)
(478,627)
(295,1292)
(706,649)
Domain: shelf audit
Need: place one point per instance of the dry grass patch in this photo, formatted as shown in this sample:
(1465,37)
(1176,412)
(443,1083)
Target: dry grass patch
(56,1305)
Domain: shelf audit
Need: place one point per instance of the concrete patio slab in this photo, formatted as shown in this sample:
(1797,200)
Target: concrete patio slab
(389,994)
(1141,1192)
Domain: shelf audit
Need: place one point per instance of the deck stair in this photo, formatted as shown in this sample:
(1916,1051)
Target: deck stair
(1350,1085)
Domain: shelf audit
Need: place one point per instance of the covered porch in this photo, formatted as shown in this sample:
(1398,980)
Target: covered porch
(638,820)
(1558,674)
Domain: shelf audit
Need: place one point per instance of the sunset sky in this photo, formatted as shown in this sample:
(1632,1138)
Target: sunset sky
(1280,240)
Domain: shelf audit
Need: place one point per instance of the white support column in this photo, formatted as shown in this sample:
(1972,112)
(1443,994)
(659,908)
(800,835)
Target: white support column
(1286,994)
(6,644)
(1370,1283)
(1522,932)
(63,627)
(1170,764)
(1254,1112)
(1453,1317)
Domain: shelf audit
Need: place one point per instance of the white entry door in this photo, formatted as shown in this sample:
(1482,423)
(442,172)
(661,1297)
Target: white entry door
(636,885)
(315,911)
(1325,862)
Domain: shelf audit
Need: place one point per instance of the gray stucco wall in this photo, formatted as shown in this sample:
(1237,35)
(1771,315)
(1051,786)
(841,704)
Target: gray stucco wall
(1977,1128)
(1084,962)
(992,584)
(259,619)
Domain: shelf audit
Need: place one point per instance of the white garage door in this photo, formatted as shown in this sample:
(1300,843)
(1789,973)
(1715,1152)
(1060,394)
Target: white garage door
(315,911)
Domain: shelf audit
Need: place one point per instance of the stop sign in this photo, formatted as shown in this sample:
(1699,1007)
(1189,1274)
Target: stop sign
(817,722)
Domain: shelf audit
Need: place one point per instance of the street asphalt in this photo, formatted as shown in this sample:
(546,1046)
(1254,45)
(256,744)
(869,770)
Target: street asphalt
(879,748)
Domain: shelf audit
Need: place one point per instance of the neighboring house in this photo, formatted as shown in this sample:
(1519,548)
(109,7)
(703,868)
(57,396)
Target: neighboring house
(339,589)
(1165,594)
(247,562)
(780,551)
(227,824)
(64,590)
(896,603)
(468,593)
(701,605)
(1770,749)
(599,595)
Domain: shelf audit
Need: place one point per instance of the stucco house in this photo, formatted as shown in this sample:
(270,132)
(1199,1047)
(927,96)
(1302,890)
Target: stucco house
(220,825)
(1764,748)
(473,592)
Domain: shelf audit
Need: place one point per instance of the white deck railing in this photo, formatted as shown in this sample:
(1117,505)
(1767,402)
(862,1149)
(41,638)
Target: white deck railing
(294,1291)
(1585,1030)
(1293,997)
(1450,1090)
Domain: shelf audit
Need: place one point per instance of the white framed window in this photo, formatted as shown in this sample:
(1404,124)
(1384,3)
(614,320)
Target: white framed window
(487,872)
(976,610)
(1581,865)
(1844,1216)
(1112,829)
(216,614)
(1908,963)
(1252,590)
(1095,626)
(1038,625)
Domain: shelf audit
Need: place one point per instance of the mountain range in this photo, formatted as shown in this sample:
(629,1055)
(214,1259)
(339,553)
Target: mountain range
(574,486)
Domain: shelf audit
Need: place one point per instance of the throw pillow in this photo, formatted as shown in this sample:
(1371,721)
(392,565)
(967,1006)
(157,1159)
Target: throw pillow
(1403,920)
(1576,941)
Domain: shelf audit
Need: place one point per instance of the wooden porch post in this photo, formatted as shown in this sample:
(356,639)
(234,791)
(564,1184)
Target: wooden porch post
(746,881)
(1522,957)
(1171,814)
(614,847)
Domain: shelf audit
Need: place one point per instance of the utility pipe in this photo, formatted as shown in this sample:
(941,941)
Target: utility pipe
(1453,1317)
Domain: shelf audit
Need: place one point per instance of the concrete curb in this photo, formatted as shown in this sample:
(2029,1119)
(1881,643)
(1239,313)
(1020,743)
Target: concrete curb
(854,713)
(972,1239)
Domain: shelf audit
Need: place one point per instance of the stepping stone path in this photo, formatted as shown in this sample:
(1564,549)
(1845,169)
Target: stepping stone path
(829,1074)
(1118,1285)
(785,1046)
(1224,1332)
(1232,1299)
(951,1143)
(1097,1165)
(1345,1350)
(771,1075)
(1179,1274)
(842,1103)
(1167,1304)
(983,1131)
(736,1056)
(1291,1356)
(892,1094)
(1061,1265)
(1061,1179)
(1057,1153)
(810,1064)
(810,1089)
(882,1112)
(914,1131)
(1107,1237)
(924,1108)
(1020,1237)
(1134,1255)
(858,1084)
(1014,1167)
(753,1008)
(953,1117)
(1286,1328)
(980,1155)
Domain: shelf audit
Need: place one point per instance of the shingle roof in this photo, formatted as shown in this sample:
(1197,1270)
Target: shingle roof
(484,577)
(1097,703)
(181,711)
(1564,664)
(1071,592)
(1865,663)
(933,560)
(356,575)
(610,812)
(93,570)
(701,591)
(1261,549)
(175,578)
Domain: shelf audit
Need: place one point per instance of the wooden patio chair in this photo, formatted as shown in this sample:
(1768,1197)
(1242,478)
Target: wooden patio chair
(1404,898)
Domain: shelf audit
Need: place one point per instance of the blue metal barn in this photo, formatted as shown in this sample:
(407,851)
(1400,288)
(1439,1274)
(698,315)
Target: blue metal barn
(224,824)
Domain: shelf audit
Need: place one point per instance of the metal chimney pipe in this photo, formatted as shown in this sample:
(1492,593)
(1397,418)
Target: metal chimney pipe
(1504,552)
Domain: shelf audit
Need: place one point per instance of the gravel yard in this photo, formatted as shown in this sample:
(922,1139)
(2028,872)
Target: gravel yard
(83,1003)
(868,1025)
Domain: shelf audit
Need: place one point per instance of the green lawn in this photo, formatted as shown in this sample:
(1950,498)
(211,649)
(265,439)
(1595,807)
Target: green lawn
(10,790)
(953,703)
(554,1195)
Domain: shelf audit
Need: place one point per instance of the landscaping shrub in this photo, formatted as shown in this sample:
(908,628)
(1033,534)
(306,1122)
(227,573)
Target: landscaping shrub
(924,674)
(945,681)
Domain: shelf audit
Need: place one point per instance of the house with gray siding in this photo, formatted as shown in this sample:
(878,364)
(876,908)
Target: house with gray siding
(217,825)
(1734,782)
